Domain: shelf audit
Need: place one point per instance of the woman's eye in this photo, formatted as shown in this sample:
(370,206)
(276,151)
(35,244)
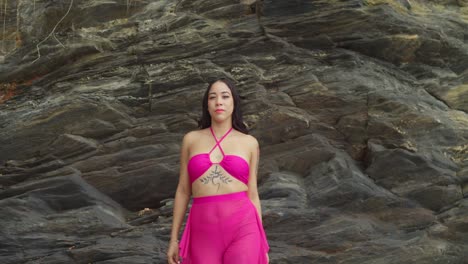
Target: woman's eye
(225,97)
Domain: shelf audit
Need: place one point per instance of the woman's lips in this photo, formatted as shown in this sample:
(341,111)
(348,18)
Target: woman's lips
(219,110)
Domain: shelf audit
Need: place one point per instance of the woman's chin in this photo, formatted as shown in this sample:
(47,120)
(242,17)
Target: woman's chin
(220,119)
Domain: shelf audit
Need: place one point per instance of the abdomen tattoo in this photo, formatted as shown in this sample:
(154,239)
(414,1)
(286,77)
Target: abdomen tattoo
(216,177)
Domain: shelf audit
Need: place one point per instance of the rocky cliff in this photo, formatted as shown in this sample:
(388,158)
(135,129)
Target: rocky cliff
(360,108)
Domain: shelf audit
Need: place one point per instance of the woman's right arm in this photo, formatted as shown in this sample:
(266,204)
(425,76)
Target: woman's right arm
(182,196)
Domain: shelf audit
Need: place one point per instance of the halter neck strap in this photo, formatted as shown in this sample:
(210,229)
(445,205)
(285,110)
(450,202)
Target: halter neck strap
(219,141)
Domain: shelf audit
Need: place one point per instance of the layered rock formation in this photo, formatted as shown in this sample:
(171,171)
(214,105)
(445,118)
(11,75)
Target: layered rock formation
(359,107)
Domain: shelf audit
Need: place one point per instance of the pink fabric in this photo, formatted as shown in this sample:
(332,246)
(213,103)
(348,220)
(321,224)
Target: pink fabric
(235,165)
(223,229)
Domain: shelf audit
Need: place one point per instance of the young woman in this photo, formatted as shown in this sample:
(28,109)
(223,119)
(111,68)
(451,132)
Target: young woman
(219,165)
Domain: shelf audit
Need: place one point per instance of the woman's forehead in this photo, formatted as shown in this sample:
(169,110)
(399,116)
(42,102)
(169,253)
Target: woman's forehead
(219,87)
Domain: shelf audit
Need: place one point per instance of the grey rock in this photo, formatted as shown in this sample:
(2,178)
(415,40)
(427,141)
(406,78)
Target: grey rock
(359,108)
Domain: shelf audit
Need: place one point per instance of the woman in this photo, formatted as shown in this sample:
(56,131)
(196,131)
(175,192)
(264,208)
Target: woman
(219,165)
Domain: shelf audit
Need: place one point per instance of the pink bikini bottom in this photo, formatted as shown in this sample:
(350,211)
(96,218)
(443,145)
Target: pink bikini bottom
(223,229)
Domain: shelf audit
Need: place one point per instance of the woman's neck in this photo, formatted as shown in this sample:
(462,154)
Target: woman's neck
(221,129)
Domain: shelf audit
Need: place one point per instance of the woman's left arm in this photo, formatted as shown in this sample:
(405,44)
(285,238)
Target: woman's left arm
(253,191)
(252,185)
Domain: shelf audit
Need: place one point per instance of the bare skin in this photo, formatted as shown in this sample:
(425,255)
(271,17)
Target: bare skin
(215,180)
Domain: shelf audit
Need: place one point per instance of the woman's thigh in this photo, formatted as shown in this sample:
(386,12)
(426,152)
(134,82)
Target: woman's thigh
(246,248)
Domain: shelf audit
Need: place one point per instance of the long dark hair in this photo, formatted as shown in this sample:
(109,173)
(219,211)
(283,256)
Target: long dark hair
(237,121)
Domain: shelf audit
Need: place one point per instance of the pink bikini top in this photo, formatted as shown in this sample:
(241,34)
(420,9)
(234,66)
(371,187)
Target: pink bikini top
(236,166)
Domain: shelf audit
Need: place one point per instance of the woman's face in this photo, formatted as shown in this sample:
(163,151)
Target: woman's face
(220,101)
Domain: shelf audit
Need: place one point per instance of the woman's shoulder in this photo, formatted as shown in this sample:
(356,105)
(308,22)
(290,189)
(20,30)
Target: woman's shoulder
(194,134)
(248,139)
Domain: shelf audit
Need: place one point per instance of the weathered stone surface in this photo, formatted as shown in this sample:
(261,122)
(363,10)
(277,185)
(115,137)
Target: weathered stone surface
(359,107)
(411,175)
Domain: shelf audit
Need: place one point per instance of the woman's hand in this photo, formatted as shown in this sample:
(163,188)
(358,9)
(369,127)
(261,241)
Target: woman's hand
(173,253)
(268,258)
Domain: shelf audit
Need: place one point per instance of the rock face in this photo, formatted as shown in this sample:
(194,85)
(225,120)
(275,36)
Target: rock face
(360,108)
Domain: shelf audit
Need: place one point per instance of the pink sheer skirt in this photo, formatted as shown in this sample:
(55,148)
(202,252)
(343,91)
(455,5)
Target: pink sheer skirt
(223,229)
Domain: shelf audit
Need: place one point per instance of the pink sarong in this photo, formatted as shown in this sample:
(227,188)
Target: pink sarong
(223,229)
